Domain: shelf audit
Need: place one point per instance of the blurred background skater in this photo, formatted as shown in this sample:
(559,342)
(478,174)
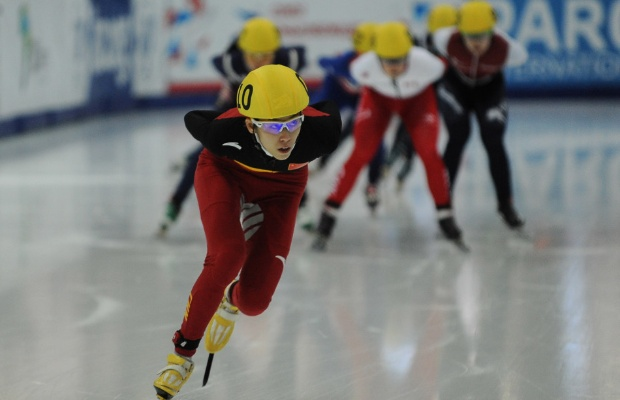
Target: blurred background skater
(440,16)
(397,79)
(338,85)
(258,44)
(474,84)
(254,167)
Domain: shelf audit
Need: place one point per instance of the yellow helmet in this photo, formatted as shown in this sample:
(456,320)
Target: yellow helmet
(442,16)
(392,40)
(259,35)
(272,91)
(364,36)
(476,17)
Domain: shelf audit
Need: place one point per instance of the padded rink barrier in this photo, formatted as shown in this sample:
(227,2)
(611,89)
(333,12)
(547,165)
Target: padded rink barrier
(104,56)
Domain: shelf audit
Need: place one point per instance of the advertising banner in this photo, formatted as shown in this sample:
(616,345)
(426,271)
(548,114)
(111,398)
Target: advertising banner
(108,39)
(574,45)
(40,64)
(64,54)
(88,56)
(196,31)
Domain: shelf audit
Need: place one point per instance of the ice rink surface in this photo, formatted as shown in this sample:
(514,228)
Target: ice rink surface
(90,298)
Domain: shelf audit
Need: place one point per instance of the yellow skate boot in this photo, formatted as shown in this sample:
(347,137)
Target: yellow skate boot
(172,377)
(222,324)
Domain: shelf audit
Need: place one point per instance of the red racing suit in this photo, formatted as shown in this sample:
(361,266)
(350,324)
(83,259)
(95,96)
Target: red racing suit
(234,178)
(411,96)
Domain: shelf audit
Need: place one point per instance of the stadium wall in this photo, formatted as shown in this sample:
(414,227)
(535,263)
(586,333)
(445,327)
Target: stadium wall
(62,60)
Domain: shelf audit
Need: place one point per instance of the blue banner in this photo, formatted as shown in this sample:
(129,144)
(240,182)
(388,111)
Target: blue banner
(110,43)
(573,45)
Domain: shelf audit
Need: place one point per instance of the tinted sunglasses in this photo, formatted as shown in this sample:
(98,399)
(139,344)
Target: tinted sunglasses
(478,36)
(394,61)
(275,127)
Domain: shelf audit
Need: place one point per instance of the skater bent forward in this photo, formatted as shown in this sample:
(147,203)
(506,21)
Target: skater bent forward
(254,165)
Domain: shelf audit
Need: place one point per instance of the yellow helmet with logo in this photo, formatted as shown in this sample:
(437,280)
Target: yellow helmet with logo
(442,16)
(392,40)
(259,35)
(272,91)
(364,36)
(476,17)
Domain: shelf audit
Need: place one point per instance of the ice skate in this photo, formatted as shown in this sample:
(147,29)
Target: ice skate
(372,197)
(172,377)
(452,232)
(513,221)
(222,324)
(305,219)
(323,231)
(404,171)
(320,243)
(510,217)
(170,217)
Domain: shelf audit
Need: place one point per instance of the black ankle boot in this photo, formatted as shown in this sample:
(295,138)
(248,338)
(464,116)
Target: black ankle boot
(510,216)
(324,231)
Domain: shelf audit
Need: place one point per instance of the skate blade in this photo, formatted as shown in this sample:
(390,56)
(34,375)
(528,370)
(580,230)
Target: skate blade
(161,233)
(319,245)
(460,244)
(520,233)
(207,373)
(521,238)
